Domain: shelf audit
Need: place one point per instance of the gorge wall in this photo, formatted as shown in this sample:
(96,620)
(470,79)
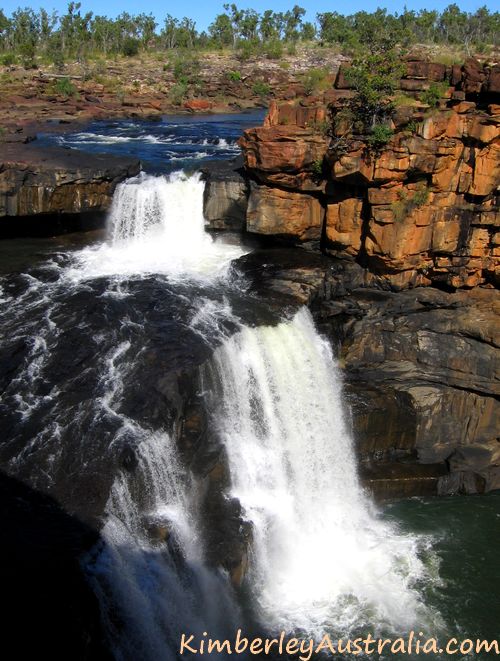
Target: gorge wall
(421,210)
(400,265)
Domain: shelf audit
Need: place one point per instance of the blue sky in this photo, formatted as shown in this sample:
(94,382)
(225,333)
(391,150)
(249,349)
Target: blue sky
(203,12)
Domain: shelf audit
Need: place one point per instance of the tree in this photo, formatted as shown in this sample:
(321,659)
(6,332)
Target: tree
(336,29)
(221,31)
(307,31)
(248,24)
(293,19)
(374,78)
(186,33)
(236,16)
(146,26)
(168,34)
(268,26)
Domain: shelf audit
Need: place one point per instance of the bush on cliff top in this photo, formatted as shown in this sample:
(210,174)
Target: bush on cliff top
(260,88)
(315,80)
(375,79)
(65,87)
(405,205)
(432,95)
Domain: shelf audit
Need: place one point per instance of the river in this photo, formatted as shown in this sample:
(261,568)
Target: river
(98,333)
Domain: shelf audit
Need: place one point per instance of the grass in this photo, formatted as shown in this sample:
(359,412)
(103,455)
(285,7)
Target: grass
(321,127)
(64,87)
(316,80)
(403,100)
(405,205)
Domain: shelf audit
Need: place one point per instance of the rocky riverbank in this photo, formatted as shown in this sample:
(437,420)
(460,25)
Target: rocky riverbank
(146,87)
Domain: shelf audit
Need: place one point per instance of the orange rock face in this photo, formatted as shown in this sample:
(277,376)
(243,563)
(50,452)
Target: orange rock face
(344,225)
(282,213)
(422,210)
(198,104)
(287,156)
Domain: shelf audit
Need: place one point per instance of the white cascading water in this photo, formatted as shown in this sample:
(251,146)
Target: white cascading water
(150,576)
(156,225)
(321,559)
(152,590)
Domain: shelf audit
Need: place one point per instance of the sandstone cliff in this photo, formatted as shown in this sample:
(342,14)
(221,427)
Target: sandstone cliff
(421,210)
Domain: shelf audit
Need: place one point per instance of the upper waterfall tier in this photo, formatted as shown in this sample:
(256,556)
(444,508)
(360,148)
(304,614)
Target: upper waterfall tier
(156,225)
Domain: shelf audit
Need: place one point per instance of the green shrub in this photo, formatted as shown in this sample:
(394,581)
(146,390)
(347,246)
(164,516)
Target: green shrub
(65,87)
(99,68)
(412,126)
(7,59)
(314,80)
(405,205)
(247,49)
(130,46)
(260,88)
(234,76)
(178,92)
(375,78)
(28,53)
(273,50)
(186,68)
(379,136)
(432,95)
(322,127)
(317,167)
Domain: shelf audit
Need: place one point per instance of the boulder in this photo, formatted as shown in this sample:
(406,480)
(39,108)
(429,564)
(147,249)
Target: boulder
(295,216)
(225,197)
(284,155)
(426,70)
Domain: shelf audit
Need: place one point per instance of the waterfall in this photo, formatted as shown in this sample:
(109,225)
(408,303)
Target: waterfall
(156,226)
(321,559)
(150,574)
(112,324)
(170,208)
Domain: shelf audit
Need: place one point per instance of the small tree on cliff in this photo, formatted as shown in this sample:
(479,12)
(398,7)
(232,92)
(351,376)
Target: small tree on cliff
(375,78)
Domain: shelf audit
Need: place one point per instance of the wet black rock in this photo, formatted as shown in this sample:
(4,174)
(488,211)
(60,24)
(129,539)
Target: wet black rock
(50,610)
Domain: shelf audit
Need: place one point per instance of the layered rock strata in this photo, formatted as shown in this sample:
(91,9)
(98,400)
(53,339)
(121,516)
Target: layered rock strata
(55,181)
(421,210)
